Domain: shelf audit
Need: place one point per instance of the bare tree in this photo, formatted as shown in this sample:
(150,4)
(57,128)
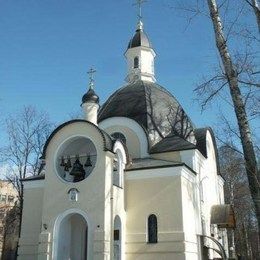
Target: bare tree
(27,132)
(255,5)
(238,195)
(237,71)
(231,75)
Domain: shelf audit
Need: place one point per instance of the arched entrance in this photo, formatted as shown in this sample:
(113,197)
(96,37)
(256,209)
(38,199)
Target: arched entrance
(72,238)
(117,238)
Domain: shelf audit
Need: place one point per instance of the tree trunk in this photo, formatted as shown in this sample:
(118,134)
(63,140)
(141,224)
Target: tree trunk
(256,8)
(239,108)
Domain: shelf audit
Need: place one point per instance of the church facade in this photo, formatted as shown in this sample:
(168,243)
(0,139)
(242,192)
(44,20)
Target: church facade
(132,180)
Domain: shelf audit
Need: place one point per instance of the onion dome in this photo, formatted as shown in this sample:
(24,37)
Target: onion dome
(90,96)
(140,38)
(152,107)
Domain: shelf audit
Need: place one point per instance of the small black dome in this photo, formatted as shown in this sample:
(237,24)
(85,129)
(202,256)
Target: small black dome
(90,96)
(140,39)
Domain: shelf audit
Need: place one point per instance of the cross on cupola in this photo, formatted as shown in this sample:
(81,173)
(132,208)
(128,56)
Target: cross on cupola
(90,101)
(91,77)
(139,6)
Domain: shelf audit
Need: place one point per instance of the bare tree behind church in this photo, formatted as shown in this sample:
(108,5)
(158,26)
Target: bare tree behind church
(236,79)
(27,132)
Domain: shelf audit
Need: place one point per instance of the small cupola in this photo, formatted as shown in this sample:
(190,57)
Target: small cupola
(140,57)
(90,96)
(90,101)
(140,38)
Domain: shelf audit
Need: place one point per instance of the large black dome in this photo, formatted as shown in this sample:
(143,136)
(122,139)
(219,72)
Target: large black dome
(152,107)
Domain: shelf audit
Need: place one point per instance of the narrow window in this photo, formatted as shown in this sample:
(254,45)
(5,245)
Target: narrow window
(136,62)
(152,229)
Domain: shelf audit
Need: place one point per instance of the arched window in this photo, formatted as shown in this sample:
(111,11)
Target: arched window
(117,174)
(152,229)
(119,136)
(136,62)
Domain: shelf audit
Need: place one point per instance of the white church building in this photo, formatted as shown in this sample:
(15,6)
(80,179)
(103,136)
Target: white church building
(133,180)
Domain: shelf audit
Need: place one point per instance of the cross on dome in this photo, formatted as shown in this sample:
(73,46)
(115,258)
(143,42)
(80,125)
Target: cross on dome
(139,5)
(91,77)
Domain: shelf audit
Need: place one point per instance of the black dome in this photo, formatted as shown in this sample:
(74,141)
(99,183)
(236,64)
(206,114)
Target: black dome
(152,107)
(140,39)
(90,96)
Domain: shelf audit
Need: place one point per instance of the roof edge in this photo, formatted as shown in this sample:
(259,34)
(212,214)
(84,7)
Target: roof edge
(104,135)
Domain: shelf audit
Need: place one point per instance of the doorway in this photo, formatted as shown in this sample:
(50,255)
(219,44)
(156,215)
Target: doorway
(72,238)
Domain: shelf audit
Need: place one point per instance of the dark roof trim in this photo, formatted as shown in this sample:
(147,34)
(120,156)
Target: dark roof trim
(200,135)
(172,143)
(163,166)
(174,150)
(34,178)
(108,144)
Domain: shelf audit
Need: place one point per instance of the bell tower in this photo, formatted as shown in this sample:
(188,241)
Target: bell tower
(140,54)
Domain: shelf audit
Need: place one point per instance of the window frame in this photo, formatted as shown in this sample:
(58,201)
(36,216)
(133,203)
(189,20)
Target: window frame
(150,238)
(136,62)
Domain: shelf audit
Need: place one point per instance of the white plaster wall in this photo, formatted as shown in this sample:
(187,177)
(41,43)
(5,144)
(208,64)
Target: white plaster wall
(90,112)
(191,214)
(146,63)
(118,202)
(168,156)
(159,192)
(31,220)
(208,183)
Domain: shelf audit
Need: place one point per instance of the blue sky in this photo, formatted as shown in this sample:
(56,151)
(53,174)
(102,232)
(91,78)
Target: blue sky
(47,46)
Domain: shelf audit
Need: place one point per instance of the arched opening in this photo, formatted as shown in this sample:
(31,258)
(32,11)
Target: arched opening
(119,164)
(136,62)
(152,229)
(72,238)
(117,238)
(119,136)
(76,159)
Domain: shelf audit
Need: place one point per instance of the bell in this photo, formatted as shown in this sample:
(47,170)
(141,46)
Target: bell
(68,164)
(62,163)
(88,162)
(77,170)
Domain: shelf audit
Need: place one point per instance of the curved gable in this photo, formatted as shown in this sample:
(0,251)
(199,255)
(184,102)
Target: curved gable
(107,141)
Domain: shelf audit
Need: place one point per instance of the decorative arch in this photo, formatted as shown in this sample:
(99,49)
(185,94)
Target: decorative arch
(58,225)
(107,141)
(120,161)
(132,125)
